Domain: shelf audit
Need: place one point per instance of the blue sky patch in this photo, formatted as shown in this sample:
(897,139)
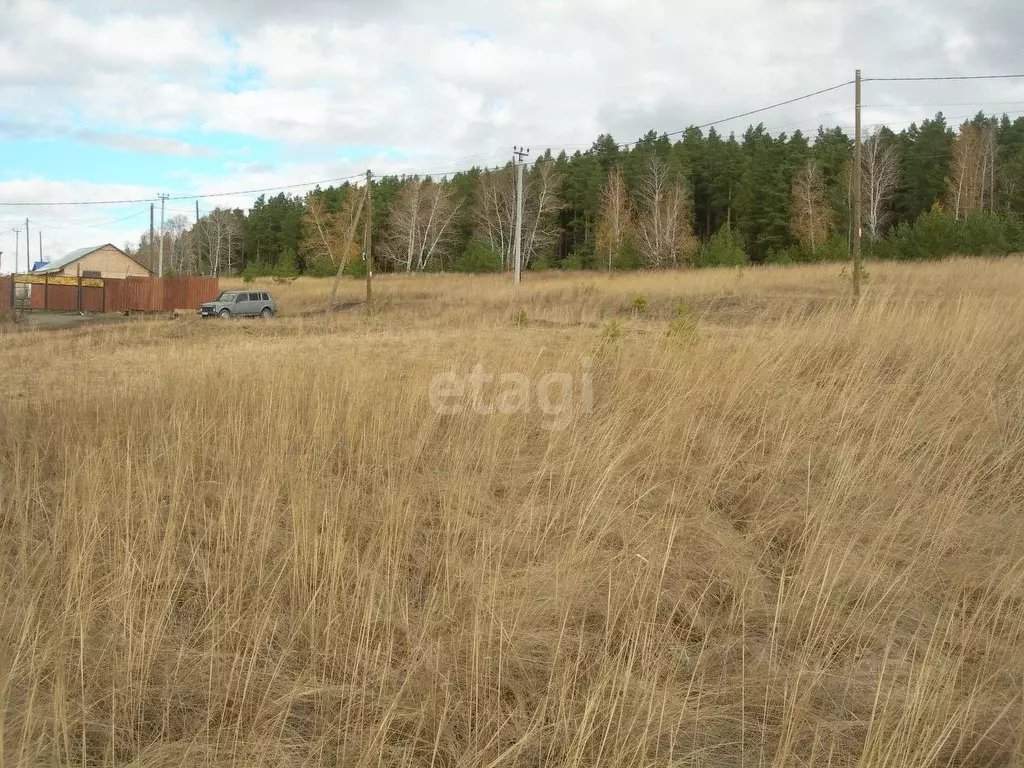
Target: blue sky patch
(475,34)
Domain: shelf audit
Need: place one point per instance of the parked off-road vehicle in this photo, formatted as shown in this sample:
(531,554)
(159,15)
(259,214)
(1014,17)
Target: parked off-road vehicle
(240,304)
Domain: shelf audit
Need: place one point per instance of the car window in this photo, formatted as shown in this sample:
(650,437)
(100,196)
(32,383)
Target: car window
(241,297)
(266,296)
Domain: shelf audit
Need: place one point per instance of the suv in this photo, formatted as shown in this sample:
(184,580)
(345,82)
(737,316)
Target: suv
(240,304)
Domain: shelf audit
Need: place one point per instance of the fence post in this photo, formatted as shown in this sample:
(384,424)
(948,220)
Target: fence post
(79,290)
(12,294)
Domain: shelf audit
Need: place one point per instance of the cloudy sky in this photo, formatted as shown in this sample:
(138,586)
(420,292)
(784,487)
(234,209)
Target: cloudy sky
(124,99)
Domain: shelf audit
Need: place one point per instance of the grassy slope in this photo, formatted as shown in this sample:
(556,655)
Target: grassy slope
(791,536)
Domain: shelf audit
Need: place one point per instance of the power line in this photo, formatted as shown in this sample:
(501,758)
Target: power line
(234,193)
(943,104)
(88,223)
(751,112)
(951,77)
(446,172)
(771,106)
(907,123)
(204,195)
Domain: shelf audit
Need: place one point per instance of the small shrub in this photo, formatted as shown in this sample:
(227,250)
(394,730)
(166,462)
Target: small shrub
(611,335)
(479,257)
(255,270)
(540,263)
(627,257)
(847,273)
(519,319)
(321,268)
(287,267)
(639,303)
(573,262)
(934,236)
(836,249)
(356,268)
(681,329)
(682,325)
(938,234)
(782,256)
(725,249)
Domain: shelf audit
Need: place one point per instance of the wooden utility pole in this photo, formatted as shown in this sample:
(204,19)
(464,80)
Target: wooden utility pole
(152,236)
(28,250)
(40,254)
(160,256)
(346,249)
(519,153)
(856,188)
(368,237)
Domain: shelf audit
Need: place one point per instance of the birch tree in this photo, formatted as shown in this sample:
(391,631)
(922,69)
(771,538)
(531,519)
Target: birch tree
(221,240)
(325,232)
(421,225)
(989,157)
(496,210)
(540,196)
(812,216)
(972,180)
(880,176)
(615,219)
(664,232)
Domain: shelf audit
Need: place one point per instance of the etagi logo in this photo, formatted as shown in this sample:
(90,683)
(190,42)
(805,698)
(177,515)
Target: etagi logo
(485,393)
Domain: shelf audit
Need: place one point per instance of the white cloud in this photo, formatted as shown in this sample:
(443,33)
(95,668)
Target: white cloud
(137,143)
(65,228)
(454,78)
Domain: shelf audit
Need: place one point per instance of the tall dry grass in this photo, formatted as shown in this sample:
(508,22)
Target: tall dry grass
(788,532)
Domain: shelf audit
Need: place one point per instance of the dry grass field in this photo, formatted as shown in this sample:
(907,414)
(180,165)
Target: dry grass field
(775,529)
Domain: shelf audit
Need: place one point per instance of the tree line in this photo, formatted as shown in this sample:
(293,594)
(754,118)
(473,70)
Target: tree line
(703,199)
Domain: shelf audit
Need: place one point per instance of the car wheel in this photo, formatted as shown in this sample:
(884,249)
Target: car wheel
(225,314)
(266,312)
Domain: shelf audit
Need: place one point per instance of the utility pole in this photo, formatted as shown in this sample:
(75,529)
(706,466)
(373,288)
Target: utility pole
(40,254)
(197,210)
(17,249)
(160,268)
(152,236)
(28,250)
(345,251)
(520,153)
(368,237)
(856,188)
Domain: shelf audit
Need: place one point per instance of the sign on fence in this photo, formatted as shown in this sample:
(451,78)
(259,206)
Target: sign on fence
(90,282)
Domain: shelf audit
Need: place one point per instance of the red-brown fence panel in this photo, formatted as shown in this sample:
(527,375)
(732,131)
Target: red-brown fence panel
(6,293)
(66,298)
(145,294)
(132,294)
(115,300)
(93,299)
(189,292)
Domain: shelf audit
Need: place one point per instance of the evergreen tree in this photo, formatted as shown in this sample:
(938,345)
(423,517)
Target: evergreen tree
(926,152)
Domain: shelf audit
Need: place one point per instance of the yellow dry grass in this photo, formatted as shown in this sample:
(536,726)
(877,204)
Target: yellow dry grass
(789,531)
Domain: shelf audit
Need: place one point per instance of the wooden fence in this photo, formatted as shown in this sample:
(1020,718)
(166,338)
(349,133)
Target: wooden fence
(131,294)
(6,294)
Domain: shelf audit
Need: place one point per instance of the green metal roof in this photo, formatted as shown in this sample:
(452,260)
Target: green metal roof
(63,261)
